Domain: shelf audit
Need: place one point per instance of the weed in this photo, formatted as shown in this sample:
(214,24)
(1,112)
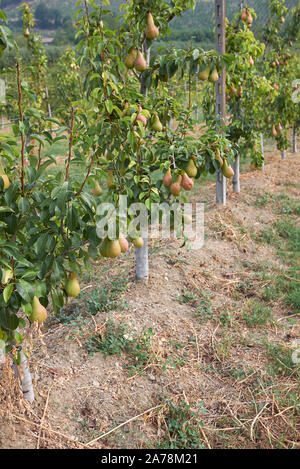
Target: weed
(183,430)
(187,297)
(256,314)
(281,359)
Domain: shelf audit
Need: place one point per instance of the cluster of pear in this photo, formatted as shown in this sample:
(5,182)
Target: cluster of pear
(225,167)
(184,179)
(112,248)
(247,17)
(276,130)
(208,73)
(135,59)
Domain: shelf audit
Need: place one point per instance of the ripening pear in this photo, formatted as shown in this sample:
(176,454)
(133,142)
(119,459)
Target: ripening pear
(157,125)
(138,242)
(39,312)
(167,180)
(214,76)
(152,31)
(142,118)
(204,74)
(249,19)
(251,61)
(244,15)
(6,182)
(26,32)
(227,170)
(191,169)
(274,131)
(72,286)
(279,128)
(97,191)
(187,183)
(110,180)
(7,274)
(175,188)
(140,63)
(123,243)
(130,59)
(282,19)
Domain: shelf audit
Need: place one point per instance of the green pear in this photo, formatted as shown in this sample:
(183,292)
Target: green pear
(214,76)
(227,170)
(130,59)
(140,63)
(72,286)
(157,125)
(191,169)
(152,31)
(204,74)
(39,312)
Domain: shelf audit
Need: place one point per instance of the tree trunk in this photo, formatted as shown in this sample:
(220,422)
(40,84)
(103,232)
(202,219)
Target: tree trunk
(295,139)
(142,262)
(236,177)
(141,254)
(24,377)
(262,150)
(283,155)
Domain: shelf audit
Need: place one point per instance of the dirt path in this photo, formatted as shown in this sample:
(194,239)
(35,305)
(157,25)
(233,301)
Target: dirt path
(206,344)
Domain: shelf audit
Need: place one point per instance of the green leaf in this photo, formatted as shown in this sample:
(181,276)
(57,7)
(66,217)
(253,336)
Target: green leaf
(7,292)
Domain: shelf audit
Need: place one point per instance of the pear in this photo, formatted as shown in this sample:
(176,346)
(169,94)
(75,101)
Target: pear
(218,157)
(282,19)
(251,61)
(175,188)
(97,191)
(140,63)
(26,32)
(204,74)
(274,131)
(227,170)
(6,182)
(191,169)
(279,128)
(167,180)
(113,248)
(233,90)
(214,76)
(110,180)
(123,243)
(249,19)
(244,15)
(152,31)
(142,118)
(157,125)
(72,286)
(7,274)
(138,242)
(130,59)
(39,313)
(187,183)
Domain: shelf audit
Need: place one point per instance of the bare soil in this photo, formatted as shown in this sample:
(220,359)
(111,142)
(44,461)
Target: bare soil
(206,357)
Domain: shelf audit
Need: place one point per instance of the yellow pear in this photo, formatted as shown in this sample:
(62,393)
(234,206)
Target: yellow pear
(140,63)
(138,242)
(39,312)
(152,31)
(191,169)
(6,182)
(72,286)
(97,189)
